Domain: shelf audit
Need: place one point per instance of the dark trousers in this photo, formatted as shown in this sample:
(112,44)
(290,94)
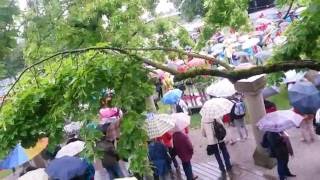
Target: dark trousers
(114,171)
(216,150)
(187,168)
(173,157)
(282,166)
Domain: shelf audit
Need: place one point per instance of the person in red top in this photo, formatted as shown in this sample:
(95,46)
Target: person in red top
(184,150)
(166,139)
(227,123)
(269,106)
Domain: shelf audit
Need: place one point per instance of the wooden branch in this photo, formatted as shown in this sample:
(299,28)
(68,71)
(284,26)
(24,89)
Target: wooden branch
(211,59)
(246,73)
(289,9)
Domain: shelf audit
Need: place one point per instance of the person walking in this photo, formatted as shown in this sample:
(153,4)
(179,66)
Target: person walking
(280,148)
(306,126)
(237,114)
(215,146)
(160,159)
(307,130)
(111,115)
(184,150)
(110,160)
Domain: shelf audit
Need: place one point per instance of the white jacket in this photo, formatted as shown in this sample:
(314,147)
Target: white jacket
(208,133)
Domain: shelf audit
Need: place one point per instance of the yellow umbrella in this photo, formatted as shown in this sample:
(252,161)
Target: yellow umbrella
(38,148)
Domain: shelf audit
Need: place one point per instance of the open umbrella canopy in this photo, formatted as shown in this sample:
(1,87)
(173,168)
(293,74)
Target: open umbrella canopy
(250,43)
(66,168)
(38,174)
(158,124)
(215,108)
(195,62)
(263,55)
(270,91)
(305,97)
(222,88)
(20,155)
(71,149)
(172,96)
(293,76)
(279,121)
(181,121)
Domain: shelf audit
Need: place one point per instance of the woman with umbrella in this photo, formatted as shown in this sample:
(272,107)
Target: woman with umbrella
(280,148)
(276,140)
(306,127)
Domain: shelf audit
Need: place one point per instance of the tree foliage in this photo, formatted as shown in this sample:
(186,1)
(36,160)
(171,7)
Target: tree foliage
(55,89)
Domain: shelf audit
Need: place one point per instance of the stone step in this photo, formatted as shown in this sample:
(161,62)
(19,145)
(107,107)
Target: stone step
(204,171)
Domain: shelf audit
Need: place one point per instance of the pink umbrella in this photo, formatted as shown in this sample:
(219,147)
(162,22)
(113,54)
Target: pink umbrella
(182,68)
(158,73)
(196,62)
(182,121)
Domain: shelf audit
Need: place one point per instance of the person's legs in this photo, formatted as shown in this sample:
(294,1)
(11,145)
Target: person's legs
(218,158)
(310,130)
(225,154)
(115,171)
(303,127)
(187,168)
(173,158)
(237,123)
(281,168)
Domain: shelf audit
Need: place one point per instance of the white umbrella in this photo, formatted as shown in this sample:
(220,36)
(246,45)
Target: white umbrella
(241,53)
(263,55)
(215,108)
(279,40)
(181,121)
(243,38)
(217,48)
(293,76)
(222,88)
(279,121)
(158,124)
(38,174)
(71,149)
(250,43)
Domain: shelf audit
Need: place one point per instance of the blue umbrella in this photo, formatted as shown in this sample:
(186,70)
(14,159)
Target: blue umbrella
(305,97)
(172,96)
(16,158)
(66,168)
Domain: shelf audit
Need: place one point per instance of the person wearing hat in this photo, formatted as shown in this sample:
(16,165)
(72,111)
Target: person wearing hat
(109,114)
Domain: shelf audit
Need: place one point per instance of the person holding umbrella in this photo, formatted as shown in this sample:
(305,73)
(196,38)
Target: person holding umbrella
(276,140)
(211,113)
(280,148)
(184,150)
(306,126)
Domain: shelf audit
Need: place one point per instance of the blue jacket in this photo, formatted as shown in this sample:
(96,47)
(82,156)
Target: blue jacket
(159,158)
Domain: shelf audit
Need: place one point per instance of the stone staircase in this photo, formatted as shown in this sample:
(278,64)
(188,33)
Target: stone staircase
(211,171)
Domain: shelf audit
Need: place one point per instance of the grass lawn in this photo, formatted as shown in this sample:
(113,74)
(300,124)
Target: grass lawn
(4,173)
(281,99)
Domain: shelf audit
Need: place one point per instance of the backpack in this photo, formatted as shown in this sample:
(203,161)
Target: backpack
(219,130)
(238,110)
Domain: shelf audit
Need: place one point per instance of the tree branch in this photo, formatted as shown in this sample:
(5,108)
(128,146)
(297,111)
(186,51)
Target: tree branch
(246,73)
(289,9)
(211,59)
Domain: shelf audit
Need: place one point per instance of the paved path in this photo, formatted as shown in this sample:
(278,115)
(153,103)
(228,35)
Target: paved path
(305,164)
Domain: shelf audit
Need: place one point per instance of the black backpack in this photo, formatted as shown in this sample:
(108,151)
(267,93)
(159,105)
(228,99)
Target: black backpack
(219,130)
